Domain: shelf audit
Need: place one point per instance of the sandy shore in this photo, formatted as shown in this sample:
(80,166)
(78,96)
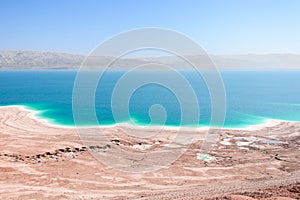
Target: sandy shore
(39,161)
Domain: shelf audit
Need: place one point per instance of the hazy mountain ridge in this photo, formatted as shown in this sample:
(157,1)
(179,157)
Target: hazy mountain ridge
(53,60)
(38,60)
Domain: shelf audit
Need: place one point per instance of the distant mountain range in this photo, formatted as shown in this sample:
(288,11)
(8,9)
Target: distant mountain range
(12,60)
(38,60)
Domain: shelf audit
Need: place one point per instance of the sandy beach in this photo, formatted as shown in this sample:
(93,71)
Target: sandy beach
(39,160)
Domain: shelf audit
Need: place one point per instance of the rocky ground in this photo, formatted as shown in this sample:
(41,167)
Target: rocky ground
(39,161)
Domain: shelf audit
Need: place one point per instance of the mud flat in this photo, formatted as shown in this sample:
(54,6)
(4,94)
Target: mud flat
(39,161)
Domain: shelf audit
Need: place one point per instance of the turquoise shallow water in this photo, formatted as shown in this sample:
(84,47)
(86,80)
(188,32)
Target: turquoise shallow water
(252,97)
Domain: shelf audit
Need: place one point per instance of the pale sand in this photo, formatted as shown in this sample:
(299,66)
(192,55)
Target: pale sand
(244,162)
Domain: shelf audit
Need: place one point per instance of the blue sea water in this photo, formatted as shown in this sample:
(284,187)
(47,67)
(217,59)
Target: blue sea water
(252,97)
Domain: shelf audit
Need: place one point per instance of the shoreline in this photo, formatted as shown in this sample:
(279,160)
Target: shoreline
(59,159)
(33,114)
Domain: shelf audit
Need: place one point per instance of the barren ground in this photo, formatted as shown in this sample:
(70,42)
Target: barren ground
(39,161)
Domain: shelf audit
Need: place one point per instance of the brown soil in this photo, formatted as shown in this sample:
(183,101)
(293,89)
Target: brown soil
(39,161)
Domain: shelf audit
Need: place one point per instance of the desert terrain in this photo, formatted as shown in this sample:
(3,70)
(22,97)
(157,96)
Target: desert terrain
(42,161)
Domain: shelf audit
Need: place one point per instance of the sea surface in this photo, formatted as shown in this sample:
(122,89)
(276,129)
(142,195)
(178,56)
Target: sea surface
(251,97)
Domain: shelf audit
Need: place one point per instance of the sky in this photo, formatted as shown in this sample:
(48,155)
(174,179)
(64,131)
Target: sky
(219,26)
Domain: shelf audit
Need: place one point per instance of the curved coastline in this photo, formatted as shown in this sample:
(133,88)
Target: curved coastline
(33,149)
(33,114)
(36,115)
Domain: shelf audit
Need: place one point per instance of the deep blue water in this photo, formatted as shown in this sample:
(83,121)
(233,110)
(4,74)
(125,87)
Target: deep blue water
(252,97)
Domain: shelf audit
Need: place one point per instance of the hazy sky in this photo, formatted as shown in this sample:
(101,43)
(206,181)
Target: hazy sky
(219,26)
